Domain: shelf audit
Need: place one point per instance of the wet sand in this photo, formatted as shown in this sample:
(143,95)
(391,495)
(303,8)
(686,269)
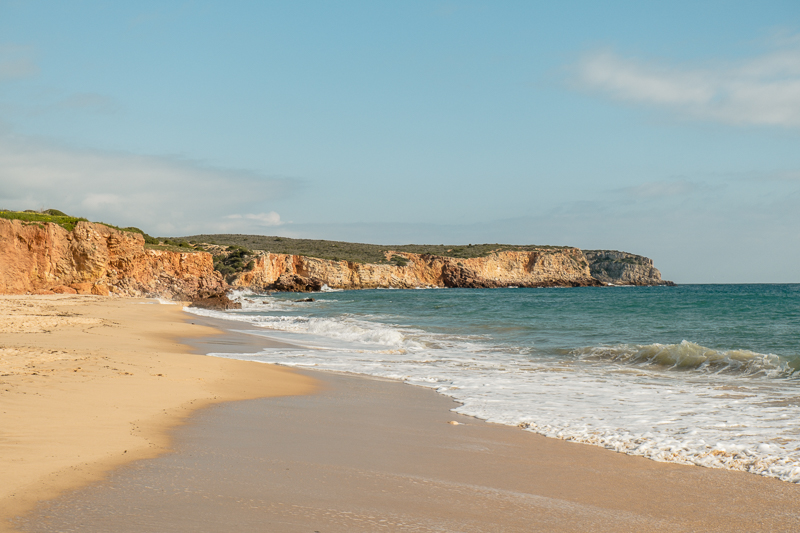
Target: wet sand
(372,455)
(89,383)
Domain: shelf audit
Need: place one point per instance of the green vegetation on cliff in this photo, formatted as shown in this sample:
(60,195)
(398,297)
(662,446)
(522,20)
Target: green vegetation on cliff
(58,217)
(235,260)
(354,252)
(50,215)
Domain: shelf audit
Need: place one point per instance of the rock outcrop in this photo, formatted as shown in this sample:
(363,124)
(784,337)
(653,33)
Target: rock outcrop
(622,268)
(220,302)
(541,268)
(96,259)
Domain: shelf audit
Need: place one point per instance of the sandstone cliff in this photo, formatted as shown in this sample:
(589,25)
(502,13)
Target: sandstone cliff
(622,268)
(541,268)
(96,259)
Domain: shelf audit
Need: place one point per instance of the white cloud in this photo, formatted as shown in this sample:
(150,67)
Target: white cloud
(263,219)
(764,90)
(163,195)
(99,201)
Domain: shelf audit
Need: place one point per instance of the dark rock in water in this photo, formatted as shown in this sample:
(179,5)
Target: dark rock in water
(218,301)
(305,300)
(296,283)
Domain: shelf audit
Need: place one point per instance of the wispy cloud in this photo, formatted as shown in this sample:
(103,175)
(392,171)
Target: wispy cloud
(17,62)
(91,102)
(786,176)
(764,90)
(161,194)
(261,219)
(659,189)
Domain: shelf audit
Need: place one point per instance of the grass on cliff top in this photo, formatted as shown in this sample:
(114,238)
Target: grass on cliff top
(355,252)
(35,217)
(62,219)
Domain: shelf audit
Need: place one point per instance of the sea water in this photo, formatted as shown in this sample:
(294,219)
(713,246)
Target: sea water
(695,374)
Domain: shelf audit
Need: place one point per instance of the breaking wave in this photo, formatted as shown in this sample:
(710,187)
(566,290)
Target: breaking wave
(690,356)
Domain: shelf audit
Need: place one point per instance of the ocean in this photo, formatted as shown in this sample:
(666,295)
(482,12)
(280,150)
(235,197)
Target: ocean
(695,374)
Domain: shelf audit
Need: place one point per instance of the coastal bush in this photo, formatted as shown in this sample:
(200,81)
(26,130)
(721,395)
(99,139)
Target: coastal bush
(234,260)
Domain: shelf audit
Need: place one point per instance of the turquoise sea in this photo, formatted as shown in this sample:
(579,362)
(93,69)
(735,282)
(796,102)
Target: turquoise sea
(699,374)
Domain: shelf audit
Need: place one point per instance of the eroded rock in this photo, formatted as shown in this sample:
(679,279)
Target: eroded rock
(96,259)
(296,283)
(218,302)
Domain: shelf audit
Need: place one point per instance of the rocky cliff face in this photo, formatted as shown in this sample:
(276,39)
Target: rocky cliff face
(542,268)
(622,268)
(96,259)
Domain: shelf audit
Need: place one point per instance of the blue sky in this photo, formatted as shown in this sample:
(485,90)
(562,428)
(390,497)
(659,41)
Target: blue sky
(666,129)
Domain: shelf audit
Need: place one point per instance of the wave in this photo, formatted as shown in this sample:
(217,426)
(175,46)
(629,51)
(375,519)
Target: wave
(691,357)
(342,328)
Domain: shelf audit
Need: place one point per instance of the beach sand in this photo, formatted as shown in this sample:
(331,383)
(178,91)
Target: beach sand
(362,454)
(89,383)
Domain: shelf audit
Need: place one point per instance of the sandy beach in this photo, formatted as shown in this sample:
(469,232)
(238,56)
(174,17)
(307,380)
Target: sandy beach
(89,383)
(342,453)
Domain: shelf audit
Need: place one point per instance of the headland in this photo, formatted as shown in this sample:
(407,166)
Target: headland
(65,255)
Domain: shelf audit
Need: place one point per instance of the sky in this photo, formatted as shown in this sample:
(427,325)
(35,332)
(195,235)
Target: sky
(666,129)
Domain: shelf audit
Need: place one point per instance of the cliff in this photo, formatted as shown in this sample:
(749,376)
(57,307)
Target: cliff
(90,258)
(96,259)
(622,268)
(540,268)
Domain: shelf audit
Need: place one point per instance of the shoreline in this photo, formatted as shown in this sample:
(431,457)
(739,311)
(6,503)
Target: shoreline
(91,383)
(368,454)
(622,396)
(354,453)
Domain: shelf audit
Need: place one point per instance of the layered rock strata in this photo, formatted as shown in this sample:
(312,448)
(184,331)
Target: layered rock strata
(622,268)
(541,268)
(95,259)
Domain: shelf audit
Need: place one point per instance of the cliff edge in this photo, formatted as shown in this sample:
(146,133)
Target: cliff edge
(93,258)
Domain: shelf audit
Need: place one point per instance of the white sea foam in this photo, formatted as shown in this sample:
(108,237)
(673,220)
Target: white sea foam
(325,288)
(681,403)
